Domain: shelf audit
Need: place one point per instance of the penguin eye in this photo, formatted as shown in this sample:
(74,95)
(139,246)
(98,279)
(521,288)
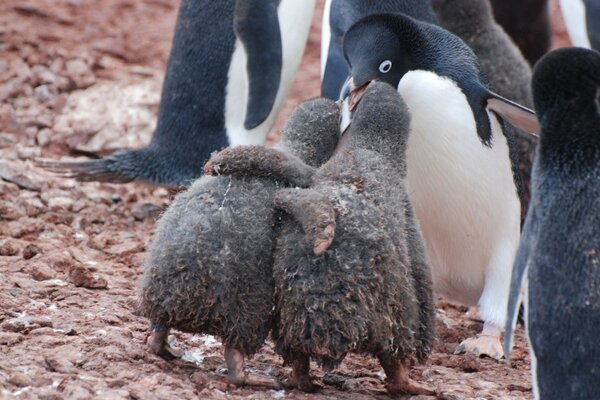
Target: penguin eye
(385,66)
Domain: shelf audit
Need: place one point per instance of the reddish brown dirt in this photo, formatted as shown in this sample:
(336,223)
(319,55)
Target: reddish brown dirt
(84,76)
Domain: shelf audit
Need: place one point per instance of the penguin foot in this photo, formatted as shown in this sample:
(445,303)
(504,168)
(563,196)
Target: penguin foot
(482,345)
(159,345)
(301,375)
(398,381)
(236,375)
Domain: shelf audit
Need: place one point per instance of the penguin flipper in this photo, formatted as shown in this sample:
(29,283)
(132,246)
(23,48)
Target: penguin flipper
(262,162)
(516,114)
(518,274)
(256,25)
(592,11)
(314,213)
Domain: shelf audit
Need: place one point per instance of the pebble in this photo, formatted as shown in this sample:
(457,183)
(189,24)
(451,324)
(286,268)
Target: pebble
(79,275)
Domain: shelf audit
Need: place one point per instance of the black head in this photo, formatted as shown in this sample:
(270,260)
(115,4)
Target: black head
(385,47)
(566,94)
(312,131)
(381,121)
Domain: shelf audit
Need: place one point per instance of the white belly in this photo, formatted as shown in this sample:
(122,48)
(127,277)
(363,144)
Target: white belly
(295,18)
(462,191)
(573,12)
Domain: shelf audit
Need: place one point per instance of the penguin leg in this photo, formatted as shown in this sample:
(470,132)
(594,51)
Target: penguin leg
(259,161)
(159,345)
(301,374)
(314,213)
(492,304)
(398,381)
(236,375)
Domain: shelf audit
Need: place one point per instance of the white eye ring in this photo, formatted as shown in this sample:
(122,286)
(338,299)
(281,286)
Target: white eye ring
(385,66)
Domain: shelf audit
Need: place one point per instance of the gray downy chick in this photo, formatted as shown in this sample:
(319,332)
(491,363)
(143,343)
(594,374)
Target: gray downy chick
(209,268)
(502,63)
(371,291)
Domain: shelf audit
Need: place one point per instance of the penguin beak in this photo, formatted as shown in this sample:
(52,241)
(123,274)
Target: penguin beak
(355,93)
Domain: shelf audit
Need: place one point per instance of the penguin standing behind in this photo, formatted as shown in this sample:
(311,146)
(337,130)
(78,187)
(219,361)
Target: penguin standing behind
(559,253)
(501,61)
(218,91)
(528,23)
(339,16)
(209,268)
(462,169)
(582,18)
(371,291)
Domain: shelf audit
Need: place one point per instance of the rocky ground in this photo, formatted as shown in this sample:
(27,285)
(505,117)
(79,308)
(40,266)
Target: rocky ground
(83,77)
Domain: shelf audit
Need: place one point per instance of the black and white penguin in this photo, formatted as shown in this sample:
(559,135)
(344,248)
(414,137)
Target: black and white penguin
(462,172)
(559,253)
(582,18)
(528,22)
(339,16)
(220,90)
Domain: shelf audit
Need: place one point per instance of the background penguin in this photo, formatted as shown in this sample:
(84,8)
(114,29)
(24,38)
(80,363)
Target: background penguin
(338,17)
(501,61)
(218,90)
(559,252)
(462,170)
(528,23)
(582,18)
(371,291)
(209,268)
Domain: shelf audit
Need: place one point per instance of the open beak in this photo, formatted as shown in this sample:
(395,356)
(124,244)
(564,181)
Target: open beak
(356,95)
(353,92)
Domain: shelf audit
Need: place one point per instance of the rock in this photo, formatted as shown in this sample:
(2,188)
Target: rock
(10,338)
(22,227)
(44,137)
(17,173)
(10,211)
(7,140)
(25,323)
(82,276)
(45,92)
(8,188)
(80,73)
(9,247)
(19,379)
(63,359)
(147,210)
(60,261)
(33,206)
(30,251)
(41,272)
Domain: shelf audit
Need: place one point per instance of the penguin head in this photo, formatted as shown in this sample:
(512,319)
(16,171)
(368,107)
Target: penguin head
(566,95)
(381,121)
(384,47)
(312,131)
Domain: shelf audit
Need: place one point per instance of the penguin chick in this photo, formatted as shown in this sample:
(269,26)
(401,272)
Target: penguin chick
(462,166)
(209,268)
(371,291)
(559,252)
(502,63)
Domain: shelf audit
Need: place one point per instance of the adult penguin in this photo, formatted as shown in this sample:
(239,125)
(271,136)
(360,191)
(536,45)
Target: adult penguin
(582,18)
(462,167)
(559,253)
(219,90)
(339,16)
(528,23)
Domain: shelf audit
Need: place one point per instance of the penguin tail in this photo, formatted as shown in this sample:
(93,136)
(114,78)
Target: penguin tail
(108,169)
